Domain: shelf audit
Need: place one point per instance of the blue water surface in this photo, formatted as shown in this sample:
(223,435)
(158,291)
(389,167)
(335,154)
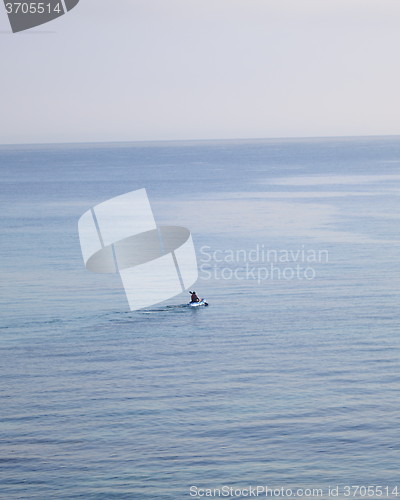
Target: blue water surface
(281,382)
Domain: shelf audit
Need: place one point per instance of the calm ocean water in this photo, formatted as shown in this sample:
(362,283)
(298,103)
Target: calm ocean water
(286,380)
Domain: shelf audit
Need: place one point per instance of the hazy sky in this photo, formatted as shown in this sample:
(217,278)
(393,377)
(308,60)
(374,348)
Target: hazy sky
(121,70)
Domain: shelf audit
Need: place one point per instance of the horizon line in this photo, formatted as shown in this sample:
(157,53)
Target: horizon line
(233,139)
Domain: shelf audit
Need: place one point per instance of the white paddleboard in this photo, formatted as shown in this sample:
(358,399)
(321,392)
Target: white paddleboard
(198,304)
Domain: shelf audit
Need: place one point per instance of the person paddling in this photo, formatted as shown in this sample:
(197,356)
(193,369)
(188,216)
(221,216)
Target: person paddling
(194,297)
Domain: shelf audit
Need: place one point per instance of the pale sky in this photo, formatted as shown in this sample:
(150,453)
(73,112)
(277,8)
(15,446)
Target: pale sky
(129,70)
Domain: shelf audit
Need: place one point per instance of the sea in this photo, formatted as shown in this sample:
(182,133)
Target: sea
(288,381)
